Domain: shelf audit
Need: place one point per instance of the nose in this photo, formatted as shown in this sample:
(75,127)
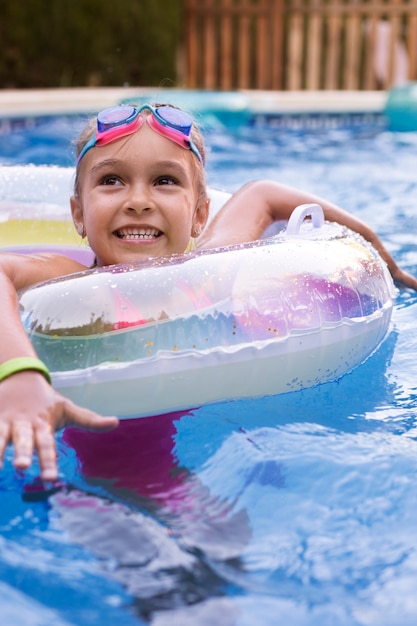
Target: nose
(139,198)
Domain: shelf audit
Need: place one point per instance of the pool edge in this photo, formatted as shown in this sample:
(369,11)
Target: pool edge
(40,102)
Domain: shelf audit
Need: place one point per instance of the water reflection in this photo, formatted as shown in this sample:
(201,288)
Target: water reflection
(158,529)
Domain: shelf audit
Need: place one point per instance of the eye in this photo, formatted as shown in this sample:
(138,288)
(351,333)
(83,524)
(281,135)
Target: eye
(110,179)
(166,180)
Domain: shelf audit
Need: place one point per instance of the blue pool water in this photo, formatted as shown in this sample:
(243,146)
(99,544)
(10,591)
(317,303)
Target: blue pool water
(299,509)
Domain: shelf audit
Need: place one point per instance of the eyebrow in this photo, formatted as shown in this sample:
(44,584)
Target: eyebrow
(168,164)
(103,164)
(171,166)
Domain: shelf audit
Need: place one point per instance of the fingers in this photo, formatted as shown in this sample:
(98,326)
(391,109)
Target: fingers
(405,279)
(26,438)
(69,413)
(4,440)
(409,281)
(46,449)
(79,416)
(28,421)
(35,433)
(22,439)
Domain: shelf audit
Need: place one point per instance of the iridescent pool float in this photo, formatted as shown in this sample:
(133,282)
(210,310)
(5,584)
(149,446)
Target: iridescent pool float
(288,312)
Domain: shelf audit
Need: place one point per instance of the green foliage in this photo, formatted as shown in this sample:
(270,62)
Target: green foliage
(69,43)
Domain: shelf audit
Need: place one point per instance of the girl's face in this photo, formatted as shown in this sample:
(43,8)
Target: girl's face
(138,198)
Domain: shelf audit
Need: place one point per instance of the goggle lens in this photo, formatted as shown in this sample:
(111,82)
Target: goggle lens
(115,116)
(180,120)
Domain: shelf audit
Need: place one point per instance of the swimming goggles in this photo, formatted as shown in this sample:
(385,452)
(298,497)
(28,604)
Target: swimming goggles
(120,121)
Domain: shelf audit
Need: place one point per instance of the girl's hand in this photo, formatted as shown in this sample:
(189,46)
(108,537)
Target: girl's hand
(403,279)
(30,413)
(399,276)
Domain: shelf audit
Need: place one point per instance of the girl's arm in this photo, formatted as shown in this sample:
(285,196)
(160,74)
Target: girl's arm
(253,208)
(30,409)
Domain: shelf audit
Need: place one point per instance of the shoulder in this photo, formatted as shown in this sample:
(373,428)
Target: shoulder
(25,270)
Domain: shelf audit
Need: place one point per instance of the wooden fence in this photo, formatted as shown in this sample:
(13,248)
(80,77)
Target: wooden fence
(299,44)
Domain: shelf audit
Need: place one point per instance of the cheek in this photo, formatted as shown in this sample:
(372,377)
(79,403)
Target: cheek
(182,229)
(187,221)
(97,208)
(181,208)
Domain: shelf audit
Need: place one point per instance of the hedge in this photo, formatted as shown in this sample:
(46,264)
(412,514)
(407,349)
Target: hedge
(79,43)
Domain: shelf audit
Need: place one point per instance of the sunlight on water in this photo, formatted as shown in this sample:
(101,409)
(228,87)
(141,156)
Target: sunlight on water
(299,509)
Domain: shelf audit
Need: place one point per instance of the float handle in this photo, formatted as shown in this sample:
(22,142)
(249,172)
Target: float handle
(300,213)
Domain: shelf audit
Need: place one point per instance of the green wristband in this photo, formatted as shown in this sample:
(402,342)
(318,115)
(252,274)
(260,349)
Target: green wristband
(21,364)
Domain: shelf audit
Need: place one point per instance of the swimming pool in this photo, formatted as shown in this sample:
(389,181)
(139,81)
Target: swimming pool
(299,509)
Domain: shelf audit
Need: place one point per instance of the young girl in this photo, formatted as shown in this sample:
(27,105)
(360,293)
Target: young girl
(140,192)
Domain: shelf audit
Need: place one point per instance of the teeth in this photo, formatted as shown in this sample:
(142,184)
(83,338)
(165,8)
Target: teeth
(138,233)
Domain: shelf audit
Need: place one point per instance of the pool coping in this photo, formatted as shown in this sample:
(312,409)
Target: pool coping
(24,103)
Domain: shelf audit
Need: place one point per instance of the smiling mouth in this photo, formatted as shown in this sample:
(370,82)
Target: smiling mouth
(148,234)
